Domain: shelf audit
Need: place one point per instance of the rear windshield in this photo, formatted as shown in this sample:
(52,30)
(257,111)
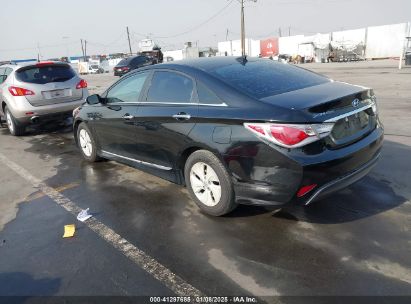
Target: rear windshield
(265,78)
(125,61)
(45,74)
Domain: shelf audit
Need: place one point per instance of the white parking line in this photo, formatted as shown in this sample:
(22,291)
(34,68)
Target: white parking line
(139,257)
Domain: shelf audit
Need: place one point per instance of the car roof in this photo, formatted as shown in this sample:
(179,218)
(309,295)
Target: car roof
(30,63)
(207,64)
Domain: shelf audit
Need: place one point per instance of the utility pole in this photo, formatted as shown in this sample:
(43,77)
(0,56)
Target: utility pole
(82,50)
(279,32)
(85,50)
(289,31)
(129,43)
(38,52)
(242,30)
(226,35)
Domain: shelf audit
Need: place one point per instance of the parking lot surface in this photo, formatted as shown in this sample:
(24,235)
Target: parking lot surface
(147,237)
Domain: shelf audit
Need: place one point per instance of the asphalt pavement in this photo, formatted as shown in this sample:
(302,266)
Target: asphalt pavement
(148,238)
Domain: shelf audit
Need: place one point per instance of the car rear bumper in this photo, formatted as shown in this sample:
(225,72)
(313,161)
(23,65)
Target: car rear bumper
(119,73)
(272,178)
(343,181)
(55,117)
(45,113)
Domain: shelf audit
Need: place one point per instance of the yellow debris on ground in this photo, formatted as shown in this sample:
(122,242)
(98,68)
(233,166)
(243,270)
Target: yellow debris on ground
(69,230)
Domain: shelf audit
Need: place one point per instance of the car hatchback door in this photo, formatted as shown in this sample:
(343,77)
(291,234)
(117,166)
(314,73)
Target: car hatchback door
(165,118)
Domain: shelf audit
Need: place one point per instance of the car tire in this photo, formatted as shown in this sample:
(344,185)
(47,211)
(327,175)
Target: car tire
(87,143)
(209,183)
(14,127)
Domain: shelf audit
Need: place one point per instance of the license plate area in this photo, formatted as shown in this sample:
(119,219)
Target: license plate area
(55,94)
(352,128)
(350,125)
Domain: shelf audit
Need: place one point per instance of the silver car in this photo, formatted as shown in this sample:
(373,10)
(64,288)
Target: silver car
(35,93)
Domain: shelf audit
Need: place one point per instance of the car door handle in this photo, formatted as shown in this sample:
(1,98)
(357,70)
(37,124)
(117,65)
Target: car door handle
(128,116)
(182,116)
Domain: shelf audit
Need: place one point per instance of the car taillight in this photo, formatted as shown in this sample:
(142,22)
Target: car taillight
(82,84)
(290,135)
(305,189)
(16,91)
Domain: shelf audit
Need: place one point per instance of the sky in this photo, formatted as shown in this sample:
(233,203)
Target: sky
(54,28)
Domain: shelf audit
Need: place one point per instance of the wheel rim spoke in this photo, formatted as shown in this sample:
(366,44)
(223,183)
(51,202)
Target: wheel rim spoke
(9,122)
(85,142)
(205,184)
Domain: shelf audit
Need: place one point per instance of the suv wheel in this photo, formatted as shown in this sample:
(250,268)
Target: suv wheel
(14,127)
(87,143)
(209,183)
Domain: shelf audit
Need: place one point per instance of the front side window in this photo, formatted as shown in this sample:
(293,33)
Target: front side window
(128,90)
(169,87)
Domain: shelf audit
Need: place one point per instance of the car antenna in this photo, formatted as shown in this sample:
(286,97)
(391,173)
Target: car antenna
(243,59)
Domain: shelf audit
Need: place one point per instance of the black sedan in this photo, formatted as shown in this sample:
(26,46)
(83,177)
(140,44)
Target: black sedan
(131,63)
(235,130)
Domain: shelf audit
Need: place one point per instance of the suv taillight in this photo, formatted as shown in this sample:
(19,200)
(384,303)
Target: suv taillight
(290,135)
(16,91)
(82,84)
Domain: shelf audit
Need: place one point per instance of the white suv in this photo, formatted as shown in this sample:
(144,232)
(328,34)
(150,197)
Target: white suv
(34,93)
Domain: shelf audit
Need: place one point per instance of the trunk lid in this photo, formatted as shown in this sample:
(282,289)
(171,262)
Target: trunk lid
(351,108)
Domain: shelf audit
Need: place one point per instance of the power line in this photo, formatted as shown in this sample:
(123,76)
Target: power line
(199,25)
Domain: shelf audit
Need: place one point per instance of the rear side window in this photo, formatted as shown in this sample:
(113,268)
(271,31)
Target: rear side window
(206,96)
(170,87)
(2,75)
(265,78)
(45,74)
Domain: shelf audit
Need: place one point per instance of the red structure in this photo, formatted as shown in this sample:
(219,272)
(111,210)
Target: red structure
(269,47)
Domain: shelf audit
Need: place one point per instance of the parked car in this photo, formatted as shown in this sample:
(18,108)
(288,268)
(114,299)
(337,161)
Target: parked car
(131,63)
(94,69)
(35,93)
(235,130)
(105,67)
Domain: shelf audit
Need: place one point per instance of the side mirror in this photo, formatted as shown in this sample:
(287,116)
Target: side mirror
(94,99)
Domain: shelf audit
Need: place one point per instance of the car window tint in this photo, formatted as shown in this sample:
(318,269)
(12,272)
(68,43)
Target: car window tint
(2,75)
(206,96)
(127,90)
(8,71)
(138,60)
(123,61)
(170,87)
(265,78)
(45,74)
